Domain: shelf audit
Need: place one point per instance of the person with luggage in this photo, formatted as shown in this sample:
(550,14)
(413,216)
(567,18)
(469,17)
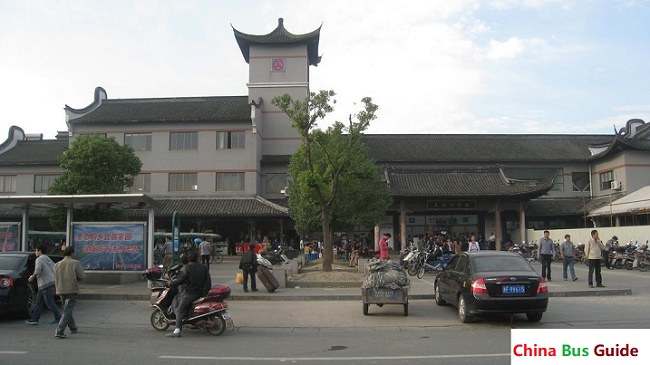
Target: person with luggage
(248,266)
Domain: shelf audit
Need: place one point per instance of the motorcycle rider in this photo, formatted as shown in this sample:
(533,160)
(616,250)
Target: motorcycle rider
(609,246)
(435,254)
(196,278)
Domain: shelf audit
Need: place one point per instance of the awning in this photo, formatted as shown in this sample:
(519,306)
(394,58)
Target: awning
(637,202)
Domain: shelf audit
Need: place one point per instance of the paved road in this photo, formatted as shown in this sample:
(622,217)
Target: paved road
(118,332)
(317,331)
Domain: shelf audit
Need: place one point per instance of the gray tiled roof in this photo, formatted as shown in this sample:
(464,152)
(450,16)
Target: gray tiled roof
(280,36)
(221,207)
(212,108)
(494,148)
(543,207)
(471,183)
(254,206)
(43,152)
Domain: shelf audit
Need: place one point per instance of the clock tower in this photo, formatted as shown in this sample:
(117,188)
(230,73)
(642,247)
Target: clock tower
(278,64)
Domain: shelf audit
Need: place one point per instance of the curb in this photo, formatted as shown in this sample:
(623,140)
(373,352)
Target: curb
(591,293)
(323,284)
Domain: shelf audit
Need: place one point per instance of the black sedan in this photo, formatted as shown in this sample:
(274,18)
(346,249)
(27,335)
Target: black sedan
(17,294)
(491,282)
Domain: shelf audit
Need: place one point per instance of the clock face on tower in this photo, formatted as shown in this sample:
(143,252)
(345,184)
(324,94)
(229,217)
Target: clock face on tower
(277,64)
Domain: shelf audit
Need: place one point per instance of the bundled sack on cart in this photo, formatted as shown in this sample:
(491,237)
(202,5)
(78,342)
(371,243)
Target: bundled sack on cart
(385,274)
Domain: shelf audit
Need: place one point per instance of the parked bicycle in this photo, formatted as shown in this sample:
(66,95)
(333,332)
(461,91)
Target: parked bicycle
(215,255)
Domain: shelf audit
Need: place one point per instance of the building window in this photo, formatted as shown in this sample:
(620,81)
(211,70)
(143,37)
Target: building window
(141,184)
(183,140)
(580,181)
(8,184)
(230,181)
(138,141)
(183,182)
(276,183)
(538,174)
(231,140)
(606,179)
(42,183)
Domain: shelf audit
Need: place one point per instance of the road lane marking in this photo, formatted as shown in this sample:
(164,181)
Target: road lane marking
(13,352)
(357,358)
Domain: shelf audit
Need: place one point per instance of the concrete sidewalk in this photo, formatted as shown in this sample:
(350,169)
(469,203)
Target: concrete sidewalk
(618,283)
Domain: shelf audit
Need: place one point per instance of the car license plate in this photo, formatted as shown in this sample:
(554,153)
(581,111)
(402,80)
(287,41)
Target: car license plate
(514,289)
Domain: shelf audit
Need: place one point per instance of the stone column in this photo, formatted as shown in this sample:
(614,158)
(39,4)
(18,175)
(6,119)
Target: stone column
(402,226)
(498,231)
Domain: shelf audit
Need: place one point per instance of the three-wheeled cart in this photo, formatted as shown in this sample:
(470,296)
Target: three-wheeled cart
(383,296)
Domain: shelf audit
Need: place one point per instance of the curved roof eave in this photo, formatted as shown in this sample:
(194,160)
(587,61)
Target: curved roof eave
(280,35)
(100,94)
(619,144)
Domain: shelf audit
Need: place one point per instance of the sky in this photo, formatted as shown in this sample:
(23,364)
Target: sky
(437,66)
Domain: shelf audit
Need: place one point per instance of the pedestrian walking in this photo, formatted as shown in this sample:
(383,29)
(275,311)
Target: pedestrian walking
(67,274)
(44,275)
(545,253)
(593,251)
(205,248)
(169,250)
(354,255)
(566,251)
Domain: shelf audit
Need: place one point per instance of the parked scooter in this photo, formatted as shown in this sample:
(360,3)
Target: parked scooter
(275,257)
(209,312)
(439,264)
(409,255)
(415,263)
(623,254)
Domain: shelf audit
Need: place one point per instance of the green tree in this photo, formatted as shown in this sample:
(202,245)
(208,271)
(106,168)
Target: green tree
(94,165)
(334,184)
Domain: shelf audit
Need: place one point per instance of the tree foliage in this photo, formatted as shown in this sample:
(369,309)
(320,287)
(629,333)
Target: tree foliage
(334,183)
(94,165)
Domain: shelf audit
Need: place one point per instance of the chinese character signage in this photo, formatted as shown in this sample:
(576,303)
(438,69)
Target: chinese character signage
(451,204)
(9,237)
(110,246)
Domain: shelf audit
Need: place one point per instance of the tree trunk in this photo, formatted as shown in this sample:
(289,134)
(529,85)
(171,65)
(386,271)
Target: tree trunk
(328,251)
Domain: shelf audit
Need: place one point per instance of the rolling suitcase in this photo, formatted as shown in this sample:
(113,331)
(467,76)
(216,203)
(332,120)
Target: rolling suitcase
(267,278)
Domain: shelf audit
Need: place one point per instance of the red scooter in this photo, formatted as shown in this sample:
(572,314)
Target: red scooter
(209,312)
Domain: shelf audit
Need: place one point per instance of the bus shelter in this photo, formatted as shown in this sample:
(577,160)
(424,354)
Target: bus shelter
(127,201)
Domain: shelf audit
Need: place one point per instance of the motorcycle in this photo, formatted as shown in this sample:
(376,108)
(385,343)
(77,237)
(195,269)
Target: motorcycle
(275,257)
(410,254)
(414,263)
(439,264)
(623,254)
(209,312)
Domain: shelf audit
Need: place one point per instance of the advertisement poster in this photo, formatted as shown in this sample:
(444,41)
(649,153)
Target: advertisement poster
(110,246)
(9,237)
